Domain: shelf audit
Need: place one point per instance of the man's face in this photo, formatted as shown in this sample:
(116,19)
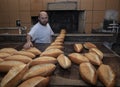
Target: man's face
(43,18)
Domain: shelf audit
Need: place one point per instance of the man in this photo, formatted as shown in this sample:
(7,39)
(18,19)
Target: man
(40,32)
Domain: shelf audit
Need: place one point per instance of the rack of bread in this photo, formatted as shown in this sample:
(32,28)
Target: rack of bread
(33,67)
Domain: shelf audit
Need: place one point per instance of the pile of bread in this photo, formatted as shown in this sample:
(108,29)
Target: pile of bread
(33,68)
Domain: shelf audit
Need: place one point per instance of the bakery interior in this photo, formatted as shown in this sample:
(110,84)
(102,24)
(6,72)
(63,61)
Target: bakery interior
(81,21)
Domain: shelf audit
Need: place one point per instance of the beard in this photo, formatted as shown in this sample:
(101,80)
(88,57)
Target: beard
(44,23)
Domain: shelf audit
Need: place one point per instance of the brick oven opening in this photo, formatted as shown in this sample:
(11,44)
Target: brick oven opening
(71,20)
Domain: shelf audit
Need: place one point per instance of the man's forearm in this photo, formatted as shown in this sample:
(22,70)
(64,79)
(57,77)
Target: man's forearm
(28,38)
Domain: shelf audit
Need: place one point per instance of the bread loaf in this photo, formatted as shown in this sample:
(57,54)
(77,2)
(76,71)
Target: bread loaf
(64,61)
(106,75)
(33,50)
(56,43)
(41,69)
(25,53)
(97,51)
(93,58)
(52,52)
(5,66)
(8,50)
(89,45)
(37,81)
(78,47)
(88,73)
(54,47)
(4,55)
(21,58)
(14,76)
(43,59)
(77,58)
(1,60)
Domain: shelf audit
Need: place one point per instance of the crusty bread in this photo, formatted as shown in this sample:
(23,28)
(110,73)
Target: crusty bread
(78,58)
(106,75)
(52,52)
(21,58)
(64,61)
(1,60)
(88,73)
(54,47)
(25,53)
(33,50)
(4,55)
(5,66)
(63,31)
(14,76)
(41,69)
(89,45)
(8,50)
(56,43)
(78,47)
(37,81)
(43,59)
(93,58)
(97,51)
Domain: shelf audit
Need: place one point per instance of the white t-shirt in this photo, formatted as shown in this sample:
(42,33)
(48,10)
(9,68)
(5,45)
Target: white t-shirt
(41,34)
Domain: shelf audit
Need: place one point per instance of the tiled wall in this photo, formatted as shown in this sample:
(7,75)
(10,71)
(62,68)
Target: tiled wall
(12,10)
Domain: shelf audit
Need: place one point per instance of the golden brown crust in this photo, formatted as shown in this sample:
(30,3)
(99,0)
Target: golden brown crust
(106,75)
(25,53)
(14,76)
(41,69)
(77,58)
(21,58)
(5,66)
(64,61)
(37,81)
(43,60)
(8,50)
(89,45)
(4,55)
(78,47)
(52,52)
(93,58)
(97,51)
(88,73)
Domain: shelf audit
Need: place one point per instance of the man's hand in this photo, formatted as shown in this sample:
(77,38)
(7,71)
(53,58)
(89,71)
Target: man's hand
(28,45)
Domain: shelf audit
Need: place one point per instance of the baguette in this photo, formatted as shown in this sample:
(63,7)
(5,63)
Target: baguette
(78,58)
(5,66)
(8,50)
(37,81)
(33,50)
(97,51)
(42,60)
(64,61)
(4,55)
(14,76)
(21,58)
(25,53)
(106,75)
(88,73)
(89,45)
(93,58)
(52,52)
(41,69)
(78,47)
(54,47)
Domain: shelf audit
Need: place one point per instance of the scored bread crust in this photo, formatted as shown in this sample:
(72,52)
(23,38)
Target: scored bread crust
(38,81)
(77,58)
(106,75)
(89,45)
(41,69)
(64,61)
(88,73)
(43,59)
(93,58)
(78,47)
(14,76)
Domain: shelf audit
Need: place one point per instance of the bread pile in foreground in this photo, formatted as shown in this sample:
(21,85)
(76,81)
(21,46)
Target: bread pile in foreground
(33,68)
